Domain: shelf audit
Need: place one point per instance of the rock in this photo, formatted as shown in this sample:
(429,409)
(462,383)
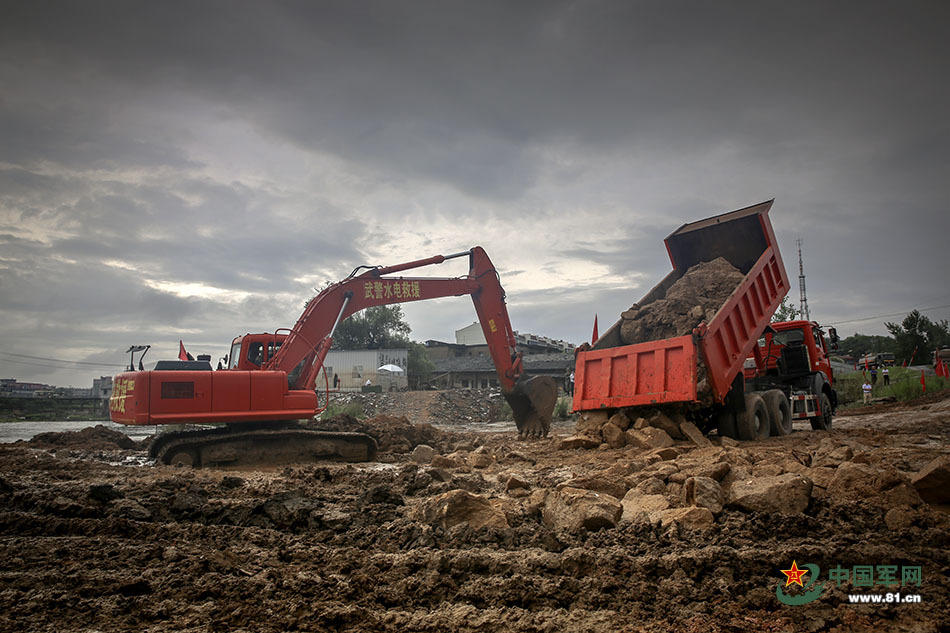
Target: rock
(590,422)
(651,486)
(574,509)
(439,474)
(716,471)
(130,509)
(831,456)
(660,420)
(859,482)
(480,460)
(613,435)
(642,508)
(446,461)
(691,431)
(517,456)
(577,441)
(728,442)
(459,506)
(688,518)
(933,481)
(422,454)
(767,470)
(614,488)
(515,482)
(649,437)
(899,518)
(641,423)
(704,492)
(620,420)
(666,453)
(782,494)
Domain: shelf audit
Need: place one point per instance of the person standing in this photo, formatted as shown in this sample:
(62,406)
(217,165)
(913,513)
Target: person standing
(866,387)
(570,383)
(886,374)
(874,375)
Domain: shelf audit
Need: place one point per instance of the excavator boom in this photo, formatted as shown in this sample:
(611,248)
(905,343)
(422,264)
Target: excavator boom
(280,386)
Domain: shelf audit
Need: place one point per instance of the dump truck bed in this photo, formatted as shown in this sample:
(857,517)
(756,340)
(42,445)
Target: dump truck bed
(699,367)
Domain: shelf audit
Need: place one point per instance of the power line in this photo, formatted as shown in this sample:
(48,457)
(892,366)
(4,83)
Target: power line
(893,314)
(60,362)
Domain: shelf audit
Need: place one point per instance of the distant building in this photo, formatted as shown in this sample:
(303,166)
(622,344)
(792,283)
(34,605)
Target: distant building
(12,388)
(467,363)
(102,387)
(355,367)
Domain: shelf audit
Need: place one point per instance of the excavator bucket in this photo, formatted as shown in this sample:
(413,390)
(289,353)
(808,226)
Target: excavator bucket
(532,403)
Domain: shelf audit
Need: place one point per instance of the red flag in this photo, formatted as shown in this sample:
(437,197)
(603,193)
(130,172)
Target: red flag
(593,337)
(923,383)
(912,354)
(942,369)
(865,363)
(182,354)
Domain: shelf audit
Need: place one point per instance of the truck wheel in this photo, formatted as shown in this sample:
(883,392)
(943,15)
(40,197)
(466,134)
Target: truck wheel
(780,413)
(753,423)
(726,424)
(823,421)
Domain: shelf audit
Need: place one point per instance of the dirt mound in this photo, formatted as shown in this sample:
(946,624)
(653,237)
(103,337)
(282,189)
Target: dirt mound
(455,407)
(89,438)
(392,434)
(693,298)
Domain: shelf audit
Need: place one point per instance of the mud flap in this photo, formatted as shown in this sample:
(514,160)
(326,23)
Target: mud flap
(532,404)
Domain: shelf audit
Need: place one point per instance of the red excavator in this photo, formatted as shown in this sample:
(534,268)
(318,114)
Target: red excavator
(269,383)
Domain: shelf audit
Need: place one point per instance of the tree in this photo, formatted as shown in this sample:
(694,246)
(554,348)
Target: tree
(917,332)
(858,345)
(420,367)
(786,311)
(378,327)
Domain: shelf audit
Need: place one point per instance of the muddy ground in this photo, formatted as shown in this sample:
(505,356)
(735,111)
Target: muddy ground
(87,544)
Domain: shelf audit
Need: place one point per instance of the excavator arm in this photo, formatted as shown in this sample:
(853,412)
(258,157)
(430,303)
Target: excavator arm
(308,342)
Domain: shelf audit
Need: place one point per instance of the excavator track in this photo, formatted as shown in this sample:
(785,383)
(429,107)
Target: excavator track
(242,446)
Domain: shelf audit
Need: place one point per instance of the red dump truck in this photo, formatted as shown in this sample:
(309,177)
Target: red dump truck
(700,374)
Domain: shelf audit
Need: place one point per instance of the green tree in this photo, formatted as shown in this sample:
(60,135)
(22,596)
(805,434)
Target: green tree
(378,327)
(917,332)
(786,311)
(858,345)
(420,367)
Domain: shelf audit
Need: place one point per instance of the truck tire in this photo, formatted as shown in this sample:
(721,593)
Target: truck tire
(823,421)
(726,424)
(780,412)
(753,423)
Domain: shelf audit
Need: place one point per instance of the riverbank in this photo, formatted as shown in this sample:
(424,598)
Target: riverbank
(56,409)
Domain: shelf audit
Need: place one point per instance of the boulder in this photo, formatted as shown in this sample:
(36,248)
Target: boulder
(704,492)
(728,442)
(696,436)
(782,494)
(481,458)
(831,456)
(614,487)
(515,482)
(688,518)
(620,420)
(933,481)
(459,506)
(649,437)
(577,441)
(716,470)
(651,486)
(613,435)
(422,454)
(666,453)
(446,461)
(642,508)
(899,518)
(859,482)
(590,422)
(574,509)
(660,420)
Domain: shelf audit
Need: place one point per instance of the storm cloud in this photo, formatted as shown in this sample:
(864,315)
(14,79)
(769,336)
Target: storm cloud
(196,170)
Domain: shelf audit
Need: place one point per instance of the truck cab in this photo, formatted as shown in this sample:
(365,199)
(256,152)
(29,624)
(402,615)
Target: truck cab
(791,349)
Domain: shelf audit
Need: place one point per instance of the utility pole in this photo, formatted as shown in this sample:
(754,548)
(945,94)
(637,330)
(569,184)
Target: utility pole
(803,301)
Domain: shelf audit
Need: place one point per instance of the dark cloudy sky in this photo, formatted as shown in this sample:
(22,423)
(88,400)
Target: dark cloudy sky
(174,170)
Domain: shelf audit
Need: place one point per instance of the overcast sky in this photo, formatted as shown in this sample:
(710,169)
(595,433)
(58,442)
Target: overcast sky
(194,171)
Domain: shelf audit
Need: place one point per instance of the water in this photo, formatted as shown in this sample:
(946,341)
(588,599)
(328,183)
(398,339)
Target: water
(13,431)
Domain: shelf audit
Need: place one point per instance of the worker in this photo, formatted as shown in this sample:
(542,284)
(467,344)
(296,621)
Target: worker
(571,383)
(336,381)
(874,375)
(887,376)
(866,387)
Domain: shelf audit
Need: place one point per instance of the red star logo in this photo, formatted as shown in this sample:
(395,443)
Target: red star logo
(794,575)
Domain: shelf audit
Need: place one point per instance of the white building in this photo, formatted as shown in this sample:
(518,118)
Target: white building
(354,367)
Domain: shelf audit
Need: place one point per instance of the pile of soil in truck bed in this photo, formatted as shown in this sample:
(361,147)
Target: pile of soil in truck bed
(483,533)
(693,298)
